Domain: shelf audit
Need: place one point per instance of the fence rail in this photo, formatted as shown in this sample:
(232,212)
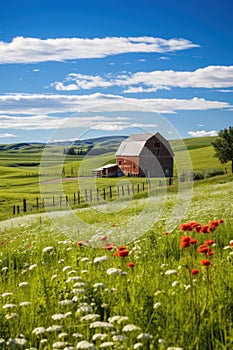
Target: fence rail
(86,196)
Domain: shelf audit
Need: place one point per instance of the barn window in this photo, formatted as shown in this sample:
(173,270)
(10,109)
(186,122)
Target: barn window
(156,148)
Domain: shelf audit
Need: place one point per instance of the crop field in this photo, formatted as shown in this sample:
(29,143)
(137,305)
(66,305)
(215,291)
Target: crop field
(138,282)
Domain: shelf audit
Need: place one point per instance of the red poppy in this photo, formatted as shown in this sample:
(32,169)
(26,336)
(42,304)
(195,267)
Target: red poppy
(205,262)
(193,241)
(184,244)
(211,252)
(205,229)
(109,246)
(185,227)
(123,253)
(130,264)
(122,247)
(231,243)
(79,244)
(203,249)
(185,239)
(209,242)
(198,228)
(166,233)
(195,271)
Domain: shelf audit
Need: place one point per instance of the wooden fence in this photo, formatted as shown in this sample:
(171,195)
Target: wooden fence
(80,198)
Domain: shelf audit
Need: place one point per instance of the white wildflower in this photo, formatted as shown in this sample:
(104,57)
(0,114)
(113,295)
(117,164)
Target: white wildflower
(17,342)
(43,341)
(23,284)
(100,324)
(157,305)
(6,294)
(137,345)
(107,344)
(54,276)
(78,291)
(60,344)
(170,272)
(99,336)
(47,249)
(72,272)
(174,348)
(118,319)
(58,317)
(2,342)
(187,286)
(65,302)
(85,259)
(61,261)
(5,268)
(130,328)
(79,284)
(161,341)
(84,271)
(11,315)
(144,336)
(158,292)
(119,337)
(62,335)
(77,335)
(99,285)
(53,328)
(101,259)
(90,317)
(85,345)
(38,330)
(31,267)
(65,268)
(9,306)
(25,303)
(114,271)
(73,278)
(175,283)
(85,308)
(67,314)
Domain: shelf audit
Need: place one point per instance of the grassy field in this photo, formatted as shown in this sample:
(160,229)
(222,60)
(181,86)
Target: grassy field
(61,292)
(120,275)
(20,168)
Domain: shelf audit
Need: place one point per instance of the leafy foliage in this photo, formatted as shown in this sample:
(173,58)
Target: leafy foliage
(223,146)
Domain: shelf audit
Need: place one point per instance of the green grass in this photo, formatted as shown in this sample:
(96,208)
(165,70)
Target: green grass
(167,307)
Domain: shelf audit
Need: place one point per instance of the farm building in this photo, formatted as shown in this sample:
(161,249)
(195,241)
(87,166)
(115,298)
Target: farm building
(109,170)
(145,154)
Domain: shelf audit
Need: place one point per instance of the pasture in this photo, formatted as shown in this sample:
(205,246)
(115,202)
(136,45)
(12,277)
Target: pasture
(161,290)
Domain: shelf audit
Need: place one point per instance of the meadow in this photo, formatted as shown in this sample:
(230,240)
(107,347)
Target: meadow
(166,290)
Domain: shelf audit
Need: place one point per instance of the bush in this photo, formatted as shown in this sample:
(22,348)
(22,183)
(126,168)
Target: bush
(198,176)
(214,172)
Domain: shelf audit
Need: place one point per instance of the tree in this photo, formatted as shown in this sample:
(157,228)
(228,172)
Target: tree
(223,146)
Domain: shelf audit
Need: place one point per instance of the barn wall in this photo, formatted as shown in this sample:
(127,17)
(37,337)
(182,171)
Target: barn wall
(129,165)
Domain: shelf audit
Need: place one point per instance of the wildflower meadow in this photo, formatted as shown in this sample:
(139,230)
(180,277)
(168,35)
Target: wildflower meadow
(164,290)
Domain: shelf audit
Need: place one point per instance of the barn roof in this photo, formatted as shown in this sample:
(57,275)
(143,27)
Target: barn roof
(133,145)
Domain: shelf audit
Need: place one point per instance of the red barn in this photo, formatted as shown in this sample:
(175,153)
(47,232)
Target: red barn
(145,155)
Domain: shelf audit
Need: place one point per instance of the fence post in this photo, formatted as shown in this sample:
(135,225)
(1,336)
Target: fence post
(24,205)
(90,195)
(37,203)
(67,201)
(79,197)
(14,210)
(138,188)
(133,189)
(118,191)
(143,186)
(74,198)
(123,193)
(60,201)
(86,198)
(18,209)
(104,193)
(53,201)
(128,189)
(110,191)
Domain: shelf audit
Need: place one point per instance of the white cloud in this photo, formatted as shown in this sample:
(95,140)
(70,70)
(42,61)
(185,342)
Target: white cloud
(33,50)
(6,135)
(201,133)
(207,77)
(43,104)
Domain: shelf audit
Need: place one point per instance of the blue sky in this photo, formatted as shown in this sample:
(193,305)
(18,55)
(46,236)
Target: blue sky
(75,69)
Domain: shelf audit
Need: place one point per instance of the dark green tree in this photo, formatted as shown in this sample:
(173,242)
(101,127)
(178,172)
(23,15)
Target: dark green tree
(223,146)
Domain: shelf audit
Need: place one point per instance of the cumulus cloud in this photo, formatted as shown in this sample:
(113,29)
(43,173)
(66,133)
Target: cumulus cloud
(6,135)
(34,50)
(201,133)
(207,77)
(40,104)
